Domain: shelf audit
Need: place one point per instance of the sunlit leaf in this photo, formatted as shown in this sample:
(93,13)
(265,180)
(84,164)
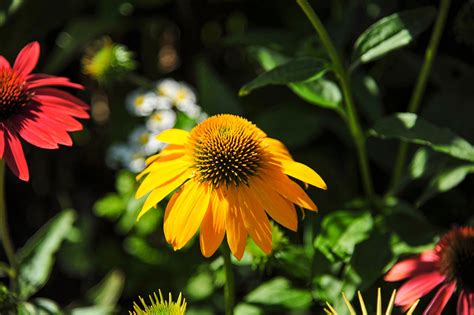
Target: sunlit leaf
(296,70)
(36,258)
(390,33)
(411,128)
(108,291)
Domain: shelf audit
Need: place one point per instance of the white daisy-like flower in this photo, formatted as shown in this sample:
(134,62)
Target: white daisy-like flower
(191,109)
(136,163)
(161,120)
(178,92)
(143,103)
(118,155)
(145,141)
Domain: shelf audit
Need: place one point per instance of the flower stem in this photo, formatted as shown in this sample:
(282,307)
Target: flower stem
(420,87)
(343,77)
(4,231)
(229,290)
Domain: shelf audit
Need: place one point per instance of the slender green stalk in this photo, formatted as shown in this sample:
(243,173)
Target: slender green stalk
(229,289)
(341,73)
(4,231)
(420,87)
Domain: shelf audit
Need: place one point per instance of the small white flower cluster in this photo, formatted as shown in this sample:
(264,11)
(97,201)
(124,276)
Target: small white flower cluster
(161,107)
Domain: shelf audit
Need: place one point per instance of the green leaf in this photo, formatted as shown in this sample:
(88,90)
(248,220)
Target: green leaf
(390,33)
(278,292)
(296,70)
(411,128)
(446,180)
(111,206)
(7,8)
(36,258)
(367,95)
(341,231)
(108,291)
(215,96)
(125,182)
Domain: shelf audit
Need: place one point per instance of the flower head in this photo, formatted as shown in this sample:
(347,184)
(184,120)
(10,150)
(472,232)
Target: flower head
(449,265)
(144,103)
(33,109)
(160,306)
(331,311)
(161,120)
(230,175)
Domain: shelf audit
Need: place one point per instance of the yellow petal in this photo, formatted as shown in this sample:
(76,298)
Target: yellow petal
(289,189)
(187,214)
(160,174)
(213,226)
(280,209)
(303,173)
(173,136)
(255,219)
(235,229)
(160,193)
(277,147)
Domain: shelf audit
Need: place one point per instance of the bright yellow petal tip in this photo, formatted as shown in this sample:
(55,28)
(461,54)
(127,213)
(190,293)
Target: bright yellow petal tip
(158,305)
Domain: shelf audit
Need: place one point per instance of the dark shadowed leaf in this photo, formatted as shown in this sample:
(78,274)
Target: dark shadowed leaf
(108,291)
(296,70)
(411,128)
(390,33)
(36,258)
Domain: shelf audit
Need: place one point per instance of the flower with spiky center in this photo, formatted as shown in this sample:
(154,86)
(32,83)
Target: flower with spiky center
(231,176)
(31,108)
(331,311)
(450,265)
(160,306)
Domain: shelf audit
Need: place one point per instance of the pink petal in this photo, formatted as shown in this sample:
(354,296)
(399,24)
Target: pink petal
(463,304)
(70,124)
(409,268)
(418,286)
(55,95)
(61,106)
(440,300)
(27,59)
(471,303)
(43,80)
(14,156)
(4,63)
(29,131)
(2,141)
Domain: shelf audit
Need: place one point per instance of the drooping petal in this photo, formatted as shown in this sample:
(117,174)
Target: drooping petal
(161,173)
(55,105)
(53,95)
(289,189)
(409,268)
(32,133)
(27,59)
(417,287)
(235,229)
(277,147)
(2,141)
(303,173)
(255,219)
(14,156)
(164,190)
(280,209)
(187,214)
(44,80)
(440,300)
(173,136)
(213,225)
(4,63)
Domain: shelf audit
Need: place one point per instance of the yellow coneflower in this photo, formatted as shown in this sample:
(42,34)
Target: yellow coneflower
(160,306)
(331,311)
(231,176)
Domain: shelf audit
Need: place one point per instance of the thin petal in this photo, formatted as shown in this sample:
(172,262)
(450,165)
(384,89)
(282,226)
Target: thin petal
(255,219)
(277,147)
(303,173)
(161,192)
(417,287)
(57,96)
(27,59)
(280,209)
(43,80)
(4,63)
(187,214)
(14,156)
(2,141)
(32,132)
(409,268)
(440,300)
(174,136)
(235,229)
(213,225)
(289,189)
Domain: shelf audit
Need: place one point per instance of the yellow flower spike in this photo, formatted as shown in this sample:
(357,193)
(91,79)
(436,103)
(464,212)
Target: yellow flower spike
(160,306)
(331,311)
(226,178)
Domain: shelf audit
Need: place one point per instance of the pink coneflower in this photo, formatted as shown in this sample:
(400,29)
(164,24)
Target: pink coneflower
(31,109)
(450,264)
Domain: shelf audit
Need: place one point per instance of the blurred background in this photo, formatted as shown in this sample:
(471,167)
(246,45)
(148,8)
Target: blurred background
(214,46)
